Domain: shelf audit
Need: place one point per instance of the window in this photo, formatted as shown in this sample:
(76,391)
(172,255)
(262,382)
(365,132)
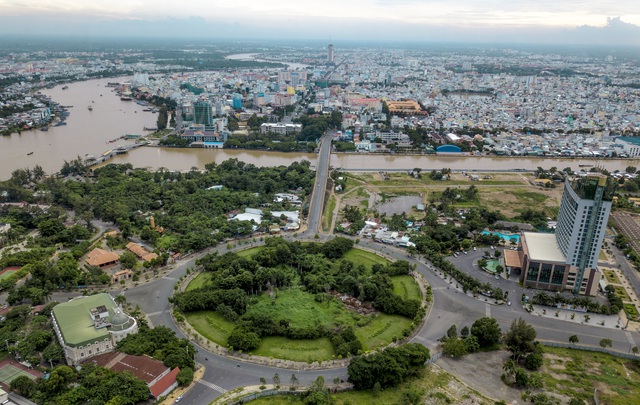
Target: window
(545,274)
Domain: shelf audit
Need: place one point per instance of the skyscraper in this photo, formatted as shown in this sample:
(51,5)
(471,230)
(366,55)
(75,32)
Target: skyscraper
(330,55)
(568,259)
(582,219)
(202,113)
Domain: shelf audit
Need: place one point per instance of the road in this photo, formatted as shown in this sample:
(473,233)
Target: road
(319,189)
(449,307)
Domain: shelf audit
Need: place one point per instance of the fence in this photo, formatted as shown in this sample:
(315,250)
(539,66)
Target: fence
(616,353)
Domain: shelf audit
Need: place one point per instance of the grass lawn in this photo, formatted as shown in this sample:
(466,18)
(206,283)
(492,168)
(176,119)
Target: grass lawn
(631,311)
(199,280)
(382,330)
(529,196)
(406,287)
(308,350)
(211,325)
(620,292)
(603,256)
(327,215)
(301,310)
(612,277)
(368,259)
(577,372)
(250,252)
(7,274)
(166,242)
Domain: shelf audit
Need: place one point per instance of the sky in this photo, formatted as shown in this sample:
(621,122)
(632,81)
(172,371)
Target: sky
(582,21)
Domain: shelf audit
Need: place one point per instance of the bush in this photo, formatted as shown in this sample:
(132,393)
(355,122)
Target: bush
(185,377)
(533,361)
(243,339)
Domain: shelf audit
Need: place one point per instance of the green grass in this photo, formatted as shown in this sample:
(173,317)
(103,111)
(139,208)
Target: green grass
(406,287)
(167,242)
(250,252)
(631,311)
(307,350)
(612,277)
(530,196)
(327,215)
(199,280)
(577,372)
(603,256)
(301,310)
(7,274)
(211,325)
(382,330)
(368,259)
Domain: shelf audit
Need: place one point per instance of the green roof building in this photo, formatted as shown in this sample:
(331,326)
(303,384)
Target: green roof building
(90,325)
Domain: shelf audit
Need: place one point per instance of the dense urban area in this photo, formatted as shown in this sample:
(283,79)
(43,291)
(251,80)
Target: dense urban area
(308,282)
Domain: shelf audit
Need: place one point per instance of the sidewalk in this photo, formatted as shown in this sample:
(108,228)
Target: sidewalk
(605,321)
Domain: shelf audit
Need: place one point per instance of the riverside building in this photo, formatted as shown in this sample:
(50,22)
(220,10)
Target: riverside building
(568,259)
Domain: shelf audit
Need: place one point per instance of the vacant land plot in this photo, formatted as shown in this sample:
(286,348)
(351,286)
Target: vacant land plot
(327,215)
(435,387)
(577,372)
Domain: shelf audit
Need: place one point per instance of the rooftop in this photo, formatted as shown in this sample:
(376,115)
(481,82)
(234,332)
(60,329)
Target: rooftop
(75,322)
(543,247)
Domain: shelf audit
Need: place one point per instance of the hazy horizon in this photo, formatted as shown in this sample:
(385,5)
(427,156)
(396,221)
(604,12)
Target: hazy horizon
(515,21)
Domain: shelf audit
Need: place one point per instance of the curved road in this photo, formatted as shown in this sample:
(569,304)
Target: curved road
(449,307)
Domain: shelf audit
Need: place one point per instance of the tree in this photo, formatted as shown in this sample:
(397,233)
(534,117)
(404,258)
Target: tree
(635,350)
(294,381)
(128,260)
(163,117)
(452,332)
(574,339)
(520,338)
(276,380)
(533,361)
(606,343)
(464,332)
(454,347)
(185,376)
(487,331)
(23,385)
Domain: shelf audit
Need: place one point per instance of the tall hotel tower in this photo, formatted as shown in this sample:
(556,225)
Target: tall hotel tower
(567,260)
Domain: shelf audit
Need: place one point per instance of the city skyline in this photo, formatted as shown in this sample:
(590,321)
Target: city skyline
(415,20)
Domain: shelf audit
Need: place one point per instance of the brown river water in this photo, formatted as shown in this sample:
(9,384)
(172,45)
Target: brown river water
(89,132)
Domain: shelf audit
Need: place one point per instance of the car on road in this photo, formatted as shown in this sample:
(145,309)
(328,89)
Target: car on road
(474,249)
(497,277)
(509,303)
(178,399)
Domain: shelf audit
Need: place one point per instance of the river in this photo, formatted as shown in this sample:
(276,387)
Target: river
(88,132)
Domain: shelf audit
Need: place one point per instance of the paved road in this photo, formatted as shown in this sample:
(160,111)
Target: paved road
(317,198)
(449,307)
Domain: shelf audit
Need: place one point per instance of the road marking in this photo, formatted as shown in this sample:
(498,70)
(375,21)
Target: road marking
(170,278)
(630,338)
(213,386)
(439,288)
(417,337)
(156,313)
(487,310)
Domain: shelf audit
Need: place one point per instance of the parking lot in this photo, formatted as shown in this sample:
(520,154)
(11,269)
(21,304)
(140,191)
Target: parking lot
(627,224)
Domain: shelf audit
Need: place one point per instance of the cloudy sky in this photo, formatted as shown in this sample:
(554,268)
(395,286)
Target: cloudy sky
(504,20)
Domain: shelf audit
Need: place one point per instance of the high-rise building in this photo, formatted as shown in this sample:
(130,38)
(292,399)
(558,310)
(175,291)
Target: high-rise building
(202,113)
(568,259)
(330,54)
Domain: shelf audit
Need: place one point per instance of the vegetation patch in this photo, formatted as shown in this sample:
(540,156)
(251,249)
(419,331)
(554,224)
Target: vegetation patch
(308,294)
(211,325)
(199,281)
(406,287)
(250,252)
(367,259)
(576,373)
(382,330)
(327,215)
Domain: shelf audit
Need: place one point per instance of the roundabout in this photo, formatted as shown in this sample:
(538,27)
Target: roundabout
(314,309)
